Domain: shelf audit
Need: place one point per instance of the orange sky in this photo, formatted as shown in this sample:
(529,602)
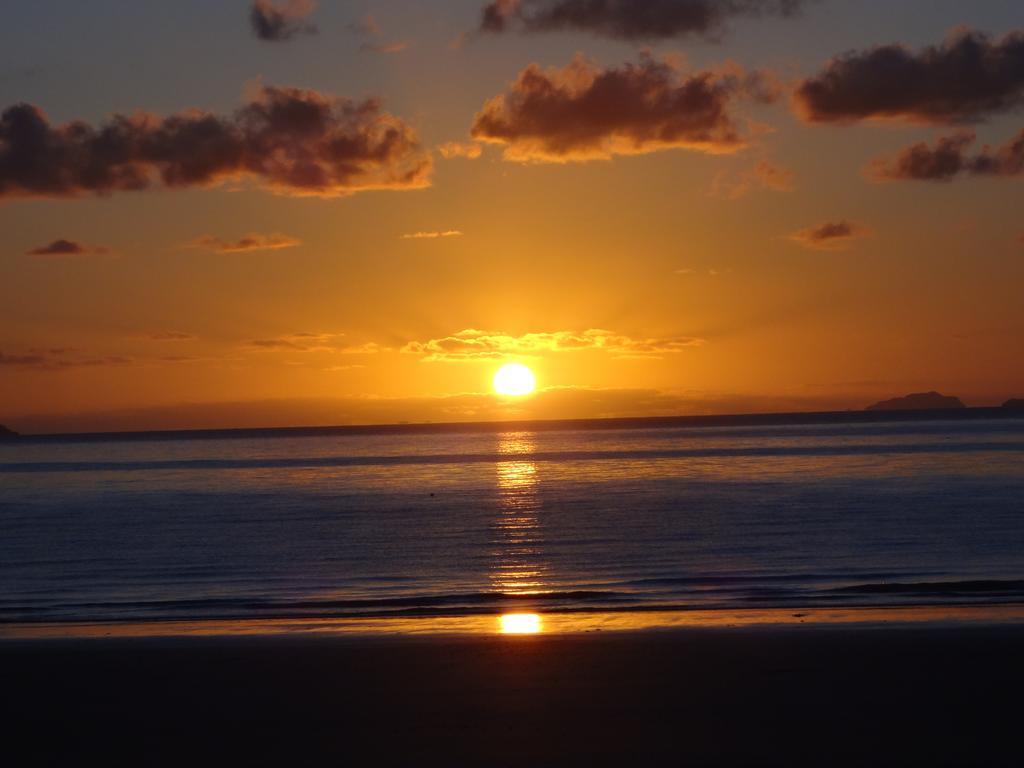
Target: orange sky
(681,230)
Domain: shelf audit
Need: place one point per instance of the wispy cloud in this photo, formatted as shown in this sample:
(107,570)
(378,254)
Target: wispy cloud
(59,359)
(251,242)
(395,46)
(470,150)
(472,344)
(315,342)
(432,235)
(764,175)
(830,236)
(170,336)
(713,272)
(368,29)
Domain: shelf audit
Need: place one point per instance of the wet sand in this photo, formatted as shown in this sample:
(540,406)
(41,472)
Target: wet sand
(798,695)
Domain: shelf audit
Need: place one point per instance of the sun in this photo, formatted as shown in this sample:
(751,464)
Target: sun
(514,380)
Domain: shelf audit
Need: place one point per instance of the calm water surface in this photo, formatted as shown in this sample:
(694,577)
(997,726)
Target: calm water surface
(455,524)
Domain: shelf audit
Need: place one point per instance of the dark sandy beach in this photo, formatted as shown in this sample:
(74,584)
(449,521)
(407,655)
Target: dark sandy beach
(800,695)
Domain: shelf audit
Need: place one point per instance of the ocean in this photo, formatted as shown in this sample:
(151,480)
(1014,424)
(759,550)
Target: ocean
(465,522)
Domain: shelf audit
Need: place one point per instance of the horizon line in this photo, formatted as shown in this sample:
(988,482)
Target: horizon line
(520,425)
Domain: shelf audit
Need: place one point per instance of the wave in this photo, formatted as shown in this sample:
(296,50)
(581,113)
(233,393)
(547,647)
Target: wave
(706,597)
(944,588)
(319,462)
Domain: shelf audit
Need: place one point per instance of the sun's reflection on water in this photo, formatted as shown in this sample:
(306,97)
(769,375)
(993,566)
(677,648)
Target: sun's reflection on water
(517,540)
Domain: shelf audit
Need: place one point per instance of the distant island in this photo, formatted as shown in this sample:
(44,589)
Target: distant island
(1014,402)
(920,401)
(6,434)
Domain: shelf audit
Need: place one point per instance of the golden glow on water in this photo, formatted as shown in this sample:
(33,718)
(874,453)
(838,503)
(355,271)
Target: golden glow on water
(520,624)
(518,565)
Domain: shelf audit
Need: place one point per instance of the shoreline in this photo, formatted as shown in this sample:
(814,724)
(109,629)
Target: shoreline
(542,623)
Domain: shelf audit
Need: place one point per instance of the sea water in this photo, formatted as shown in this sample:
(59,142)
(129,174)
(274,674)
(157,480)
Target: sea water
(449,523)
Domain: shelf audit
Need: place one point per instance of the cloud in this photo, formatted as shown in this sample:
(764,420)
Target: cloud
(291,141)
(395,46)
(432,235)
(58,359)
(712,272)
(247,244)
(277,22)
(368,28)
(582,112)
(831,236)
(949,158)
(472,344)
(62,247)
(772,176)
(628,19)
(299,342)
(764,175)
(315,342)
(469,150)
(965,78)
(170,336)
(1007,160)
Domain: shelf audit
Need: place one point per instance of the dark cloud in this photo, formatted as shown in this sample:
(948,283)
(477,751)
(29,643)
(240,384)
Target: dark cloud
(62,247)
(919,161)
(965,78)
(629,19)
(830,236)
(292,141)
(950,157)
(582,112)
(1007,160)
(277,22)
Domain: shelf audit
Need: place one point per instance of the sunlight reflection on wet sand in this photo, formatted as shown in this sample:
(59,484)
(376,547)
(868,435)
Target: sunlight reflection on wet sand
(520,624)
(546,624)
